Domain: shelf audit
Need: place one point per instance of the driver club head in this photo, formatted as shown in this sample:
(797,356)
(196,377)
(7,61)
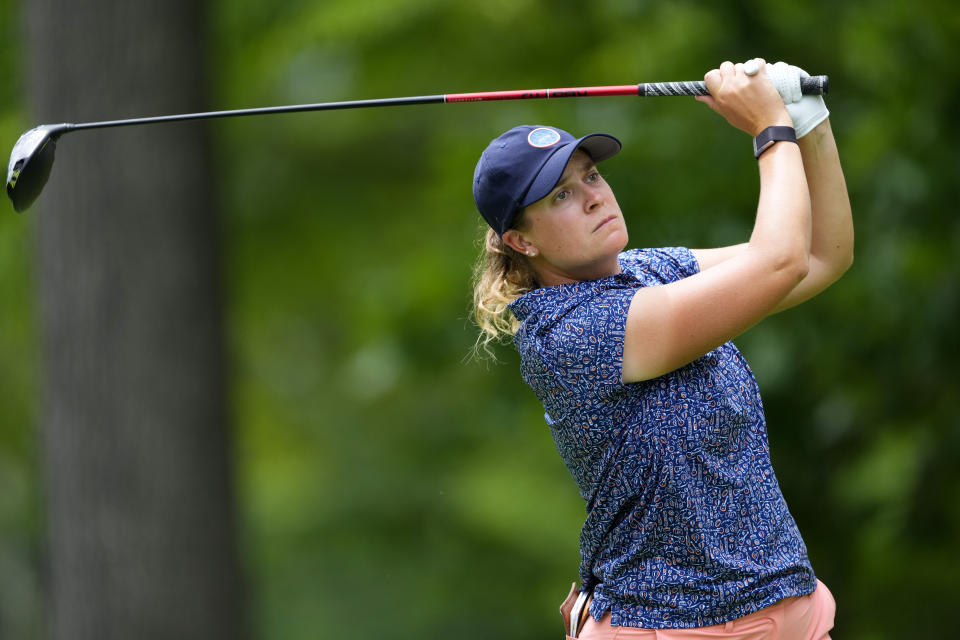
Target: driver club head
(30,164)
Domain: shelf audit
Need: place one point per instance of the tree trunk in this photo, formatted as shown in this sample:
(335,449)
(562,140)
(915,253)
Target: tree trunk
(134,420)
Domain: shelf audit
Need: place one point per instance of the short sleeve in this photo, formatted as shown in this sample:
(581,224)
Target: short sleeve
(585,346)
(665,265)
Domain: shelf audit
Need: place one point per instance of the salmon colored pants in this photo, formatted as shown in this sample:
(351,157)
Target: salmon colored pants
(802,618)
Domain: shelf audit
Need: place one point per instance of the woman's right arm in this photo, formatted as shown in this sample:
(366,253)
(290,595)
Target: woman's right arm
(671,325)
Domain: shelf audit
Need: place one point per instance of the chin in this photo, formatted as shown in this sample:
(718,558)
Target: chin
(618,239)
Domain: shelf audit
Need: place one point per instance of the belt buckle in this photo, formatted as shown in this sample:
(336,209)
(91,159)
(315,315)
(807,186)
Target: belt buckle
(576,613)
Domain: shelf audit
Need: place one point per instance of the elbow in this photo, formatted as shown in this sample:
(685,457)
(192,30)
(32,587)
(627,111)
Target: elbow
(849,255)
(841,266)
(848,262)
(787,265)
(800,269)
(793,265)
(841,262)
(843,252)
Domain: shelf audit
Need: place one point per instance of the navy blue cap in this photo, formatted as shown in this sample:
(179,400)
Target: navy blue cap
(524,165)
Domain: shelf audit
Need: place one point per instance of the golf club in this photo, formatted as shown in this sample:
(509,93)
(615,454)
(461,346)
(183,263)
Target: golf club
(32,157)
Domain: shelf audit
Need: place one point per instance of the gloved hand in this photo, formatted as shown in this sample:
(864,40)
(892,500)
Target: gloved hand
(805,111)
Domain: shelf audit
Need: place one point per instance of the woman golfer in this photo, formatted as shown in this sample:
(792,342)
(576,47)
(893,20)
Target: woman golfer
(654,411)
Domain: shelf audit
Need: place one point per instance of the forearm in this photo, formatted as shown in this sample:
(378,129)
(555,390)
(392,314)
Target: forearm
(671,325)
(782,228)
(832,236)
(824,235)
(831,243)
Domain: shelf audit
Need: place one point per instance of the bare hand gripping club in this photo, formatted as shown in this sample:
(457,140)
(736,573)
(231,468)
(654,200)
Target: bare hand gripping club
(32,155)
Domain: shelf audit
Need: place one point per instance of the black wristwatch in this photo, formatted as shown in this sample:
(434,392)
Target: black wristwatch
(766,138)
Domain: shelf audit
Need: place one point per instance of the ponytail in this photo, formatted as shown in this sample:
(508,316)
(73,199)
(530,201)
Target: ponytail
(500,276)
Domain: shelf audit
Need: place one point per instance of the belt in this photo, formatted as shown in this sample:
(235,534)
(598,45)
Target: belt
(575,610)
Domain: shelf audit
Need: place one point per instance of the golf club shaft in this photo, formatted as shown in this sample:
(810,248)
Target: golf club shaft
(33,154)
(811,85)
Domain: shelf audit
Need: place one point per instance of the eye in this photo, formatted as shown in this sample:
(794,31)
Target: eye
(594,176)
(561,195)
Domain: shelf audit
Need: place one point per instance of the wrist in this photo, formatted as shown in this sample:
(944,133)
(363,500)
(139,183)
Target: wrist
(772,135)
(783,120)
(807,114)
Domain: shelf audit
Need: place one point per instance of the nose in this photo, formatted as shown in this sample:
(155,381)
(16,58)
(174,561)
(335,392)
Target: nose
(593,199)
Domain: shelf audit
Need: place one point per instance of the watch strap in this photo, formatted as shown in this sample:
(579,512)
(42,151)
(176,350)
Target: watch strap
(771,135)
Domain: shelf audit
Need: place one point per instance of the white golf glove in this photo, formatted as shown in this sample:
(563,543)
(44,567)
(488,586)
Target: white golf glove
(805,111)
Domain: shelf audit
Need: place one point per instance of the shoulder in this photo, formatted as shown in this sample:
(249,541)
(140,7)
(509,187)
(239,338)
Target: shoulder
(574,333)
(665,264)
(543,309)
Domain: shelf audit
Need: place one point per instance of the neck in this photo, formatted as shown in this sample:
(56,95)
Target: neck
(550,275)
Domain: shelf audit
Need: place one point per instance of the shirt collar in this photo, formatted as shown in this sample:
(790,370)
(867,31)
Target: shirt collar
(545,298)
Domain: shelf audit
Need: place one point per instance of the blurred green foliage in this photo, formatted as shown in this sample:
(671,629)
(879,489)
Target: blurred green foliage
(21,528)
(393,487)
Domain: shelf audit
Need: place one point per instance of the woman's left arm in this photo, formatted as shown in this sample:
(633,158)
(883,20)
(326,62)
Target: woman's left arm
(831,243)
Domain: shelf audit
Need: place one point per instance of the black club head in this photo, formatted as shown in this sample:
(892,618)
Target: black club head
(30,164)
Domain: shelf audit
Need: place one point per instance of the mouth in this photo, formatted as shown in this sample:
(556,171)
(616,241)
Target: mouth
(604,222)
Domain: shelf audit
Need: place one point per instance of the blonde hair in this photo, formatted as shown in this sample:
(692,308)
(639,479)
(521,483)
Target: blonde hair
(500,276)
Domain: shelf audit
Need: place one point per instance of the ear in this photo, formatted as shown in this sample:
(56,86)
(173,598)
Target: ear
(518,241)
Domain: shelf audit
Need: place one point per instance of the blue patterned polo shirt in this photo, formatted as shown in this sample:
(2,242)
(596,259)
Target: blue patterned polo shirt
(686,525)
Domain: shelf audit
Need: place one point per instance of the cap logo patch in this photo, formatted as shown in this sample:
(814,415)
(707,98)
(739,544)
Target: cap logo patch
(543,137)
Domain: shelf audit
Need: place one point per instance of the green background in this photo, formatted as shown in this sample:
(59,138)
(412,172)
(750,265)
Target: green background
(393,486)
